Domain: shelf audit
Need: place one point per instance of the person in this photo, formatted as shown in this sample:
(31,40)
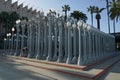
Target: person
(25,52)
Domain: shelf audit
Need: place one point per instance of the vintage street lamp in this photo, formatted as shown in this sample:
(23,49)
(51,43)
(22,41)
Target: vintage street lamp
(9,42)
(13,29)
(5,45)
(79,25)
(69,59)
(17,36)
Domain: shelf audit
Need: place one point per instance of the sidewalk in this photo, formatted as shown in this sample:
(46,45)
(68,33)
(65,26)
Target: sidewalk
(93,73)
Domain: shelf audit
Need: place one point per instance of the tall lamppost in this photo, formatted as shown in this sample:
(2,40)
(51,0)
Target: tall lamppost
(50,38)
(79,30)
(60,55)
(74,60)
(38,35)
(69,59)
(13,29)
(17,37)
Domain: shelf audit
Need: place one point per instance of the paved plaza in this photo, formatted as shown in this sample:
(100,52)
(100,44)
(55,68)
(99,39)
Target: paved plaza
(18,68)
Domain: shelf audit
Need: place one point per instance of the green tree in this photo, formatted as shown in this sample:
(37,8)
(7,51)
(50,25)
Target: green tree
(13,17)
(98,16)
(7,20)
(91,9)
(79,15)
(65,9)
(4,19)
(114,12)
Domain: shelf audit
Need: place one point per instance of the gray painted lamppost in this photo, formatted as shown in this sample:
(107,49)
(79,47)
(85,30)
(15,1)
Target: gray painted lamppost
(9,35)
(55,39)
(69,59)
(45,38)
(5,45)
(85,56)
(49,57)
(12,52)
(29,38)
(23,22)
(89,44)
(60,52)
(79,25)
(17,37)
(74,60)
(38,36)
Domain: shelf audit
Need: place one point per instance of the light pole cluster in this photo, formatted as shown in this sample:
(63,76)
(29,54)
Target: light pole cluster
(72,42)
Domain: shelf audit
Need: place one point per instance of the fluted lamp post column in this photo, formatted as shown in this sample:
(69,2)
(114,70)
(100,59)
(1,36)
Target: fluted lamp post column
(69,59)
(17,37)
(74,60)
(79,31)
(60,53)
(12,52)
(9,43)
(22,40)
(5,45)
(49,57)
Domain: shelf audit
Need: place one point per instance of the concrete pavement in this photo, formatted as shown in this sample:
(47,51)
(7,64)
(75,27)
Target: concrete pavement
(54,72)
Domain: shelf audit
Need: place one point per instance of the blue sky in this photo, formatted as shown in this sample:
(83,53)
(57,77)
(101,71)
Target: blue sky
(80,5)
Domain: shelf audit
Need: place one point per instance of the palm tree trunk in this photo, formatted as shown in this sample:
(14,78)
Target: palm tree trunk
(92,19)
(108,15)
(98,24)
(114,25)
(65,15)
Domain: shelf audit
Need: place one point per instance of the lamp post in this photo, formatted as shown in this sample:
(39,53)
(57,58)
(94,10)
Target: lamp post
(38,35)
(9,47)
(5,45)
(74,60)
(50,38)
(69,59)
(13,29)
(23,22)
(17,37)
(7,42)
(60,53)
(79,30)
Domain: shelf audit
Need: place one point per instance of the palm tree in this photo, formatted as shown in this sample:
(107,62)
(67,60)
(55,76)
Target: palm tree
(98,16)
(91,9)
(79,15)
(107,8)
(65,9)
(114,12)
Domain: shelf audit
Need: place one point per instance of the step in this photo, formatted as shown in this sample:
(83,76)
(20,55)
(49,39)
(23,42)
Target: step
(93,73)
(77,67)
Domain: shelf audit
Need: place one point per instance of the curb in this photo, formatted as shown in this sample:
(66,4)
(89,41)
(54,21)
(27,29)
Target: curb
(68,66)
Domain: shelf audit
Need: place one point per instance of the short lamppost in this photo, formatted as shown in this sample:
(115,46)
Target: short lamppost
(9,40)
(13,29)
(5,46)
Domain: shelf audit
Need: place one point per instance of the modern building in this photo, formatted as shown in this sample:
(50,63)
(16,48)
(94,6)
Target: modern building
(8,6)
